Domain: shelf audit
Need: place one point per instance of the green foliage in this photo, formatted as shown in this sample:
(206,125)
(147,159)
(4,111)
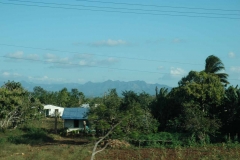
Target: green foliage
(199,96)
(200,107)
(63,98)
(31,136)
(214,65)
(160,108)
(41,94)
(16,105)
(130,112)
(76,98)
(161,139)
(230,110)
(2,140)
(106,114)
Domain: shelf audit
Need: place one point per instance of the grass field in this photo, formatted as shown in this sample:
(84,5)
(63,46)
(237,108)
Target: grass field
(38,141)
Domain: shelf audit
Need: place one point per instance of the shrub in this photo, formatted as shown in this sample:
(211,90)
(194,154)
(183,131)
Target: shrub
(32,136)
(2,140)
(157,139)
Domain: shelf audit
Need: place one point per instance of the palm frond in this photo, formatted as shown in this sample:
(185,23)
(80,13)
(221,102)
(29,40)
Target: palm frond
(214,65)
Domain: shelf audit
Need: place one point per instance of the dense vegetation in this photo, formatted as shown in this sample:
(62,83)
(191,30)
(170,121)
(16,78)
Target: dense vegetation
(204,108)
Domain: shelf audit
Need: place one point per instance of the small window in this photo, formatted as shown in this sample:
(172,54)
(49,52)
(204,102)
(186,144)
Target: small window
(76,123)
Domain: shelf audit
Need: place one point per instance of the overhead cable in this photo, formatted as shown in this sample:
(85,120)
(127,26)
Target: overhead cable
(125,12)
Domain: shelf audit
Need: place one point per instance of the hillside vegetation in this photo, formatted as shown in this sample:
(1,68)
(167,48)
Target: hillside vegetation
(201,114)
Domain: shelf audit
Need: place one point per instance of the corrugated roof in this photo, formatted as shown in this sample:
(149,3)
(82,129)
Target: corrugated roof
(75,113)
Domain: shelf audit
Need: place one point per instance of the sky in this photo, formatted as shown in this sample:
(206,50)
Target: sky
(155,41)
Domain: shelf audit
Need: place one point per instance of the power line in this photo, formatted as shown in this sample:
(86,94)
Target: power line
(100,55)
(137,4)
(126,12)
(132,58)
(74,64)
(75,5)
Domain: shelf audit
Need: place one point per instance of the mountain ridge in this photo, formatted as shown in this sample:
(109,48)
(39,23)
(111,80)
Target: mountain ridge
(96,89)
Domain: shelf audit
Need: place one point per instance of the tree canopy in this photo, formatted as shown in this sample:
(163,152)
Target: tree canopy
(214,65)
(16,105)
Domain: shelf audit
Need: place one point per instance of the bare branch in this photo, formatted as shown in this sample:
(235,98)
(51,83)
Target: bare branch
(102,148)
(96,144)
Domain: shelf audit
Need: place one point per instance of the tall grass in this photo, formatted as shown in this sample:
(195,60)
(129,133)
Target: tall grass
(37,141)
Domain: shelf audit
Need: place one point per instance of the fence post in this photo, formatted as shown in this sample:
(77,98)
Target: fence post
(56,113)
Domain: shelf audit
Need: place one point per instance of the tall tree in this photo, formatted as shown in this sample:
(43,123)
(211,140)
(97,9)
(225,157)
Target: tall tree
(230,110)
(16,105)
(118,118)
(76,98)
(214,65)
(63,97)
(41,94)
(160,108)
(198,96)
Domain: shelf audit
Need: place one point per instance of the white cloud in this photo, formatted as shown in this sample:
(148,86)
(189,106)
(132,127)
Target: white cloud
(33,57)
(18,54)
(91,61)
(177,40)
(80,80)
(45,79)
(90,58)
(155,41)
(176,72)
(16,74)
(59,62)
(6,74)
(54,58)
(65,62)
(235,69)
(108,42)
(83,56)
(83,62)
(50,57)
(231,55)
(160,68)
(107,61)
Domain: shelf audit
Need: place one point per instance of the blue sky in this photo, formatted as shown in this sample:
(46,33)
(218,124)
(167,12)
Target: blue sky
(159,43)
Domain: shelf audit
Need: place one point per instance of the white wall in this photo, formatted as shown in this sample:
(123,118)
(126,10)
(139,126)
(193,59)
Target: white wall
(51,110)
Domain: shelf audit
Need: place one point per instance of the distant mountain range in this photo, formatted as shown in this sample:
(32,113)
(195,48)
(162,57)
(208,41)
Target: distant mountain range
(91,89)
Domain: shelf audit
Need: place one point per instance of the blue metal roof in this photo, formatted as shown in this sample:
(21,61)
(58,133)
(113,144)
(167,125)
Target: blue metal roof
(75,113)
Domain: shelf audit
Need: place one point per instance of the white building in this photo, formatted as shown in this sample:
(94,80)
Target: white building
(50,110)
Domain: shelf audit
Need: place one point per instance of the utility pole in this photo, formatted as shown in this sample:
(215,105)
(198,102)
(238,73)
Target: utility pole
(56,114)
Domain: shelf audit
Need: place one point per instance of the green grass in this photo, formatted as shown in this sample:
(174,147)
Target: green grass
(59,152)
(37,140)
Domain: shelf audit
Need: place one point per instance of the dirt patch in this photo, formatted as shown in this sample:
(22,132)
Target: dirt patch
(169,154)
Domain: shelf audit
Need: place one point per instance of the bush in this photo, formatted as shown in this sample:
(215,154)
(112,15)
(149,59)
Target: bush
(32,136)
(2,140)
(156,139)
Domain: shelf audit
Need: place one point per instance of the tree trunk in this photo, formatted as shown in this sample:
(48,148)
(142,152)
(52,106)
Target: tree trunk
(94,152)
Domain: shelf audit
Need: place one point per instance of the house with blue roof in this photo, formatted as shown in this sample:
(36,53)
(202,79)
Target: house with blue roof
(74,118)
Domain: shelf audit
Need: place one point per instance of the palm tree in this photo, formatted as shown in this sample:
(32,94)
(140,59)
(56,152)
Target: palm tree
(214,65)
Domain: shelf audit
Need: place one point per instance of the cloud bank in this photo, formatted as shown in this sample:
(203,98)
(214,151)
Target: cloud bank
(56,61)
